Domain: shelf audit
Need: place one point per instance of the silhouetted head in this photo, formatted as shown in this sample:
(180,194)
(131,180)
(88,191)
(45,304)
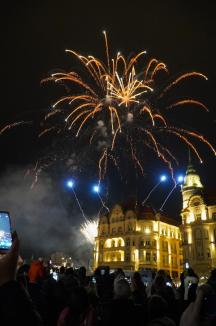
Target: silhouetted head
(157,307)
(62,270)
(82,271)
(122,289)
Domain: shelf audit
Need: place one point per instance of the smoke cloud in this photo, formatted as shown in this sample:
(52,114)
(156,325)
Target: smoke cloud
(41,220)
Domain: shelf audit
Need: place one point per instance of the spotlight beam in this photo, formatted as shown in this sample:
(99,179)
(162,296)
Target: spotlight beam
(70,184)
(162,179)
(170,193)
(180,180)
(96,189)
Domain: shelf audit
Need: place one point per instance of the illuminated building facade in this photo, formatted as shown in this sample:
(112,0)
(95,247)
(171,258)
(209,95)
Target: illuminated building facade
(133,239)
(198,224)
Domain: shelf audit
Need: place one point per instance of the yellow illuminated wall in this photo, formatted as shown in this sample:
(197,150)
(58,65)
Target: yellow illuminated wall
(133,242)
(198,224)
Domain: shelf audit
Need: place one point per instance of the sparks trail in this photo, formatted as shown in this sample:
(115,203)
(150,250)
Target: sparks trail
(13,125)
(129,101)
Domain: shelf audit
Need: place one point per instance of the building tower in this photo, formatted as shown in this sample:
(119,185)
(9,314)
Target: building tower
(192,184)
(198,224)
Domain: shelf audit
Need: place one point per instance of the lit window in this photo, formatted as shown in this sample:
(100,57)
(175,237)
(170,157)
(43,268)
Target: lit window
(148,243)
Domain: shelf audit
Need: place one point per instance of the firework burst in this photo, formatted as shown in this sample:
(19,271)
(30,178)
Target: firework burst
(90,230)
(127,100)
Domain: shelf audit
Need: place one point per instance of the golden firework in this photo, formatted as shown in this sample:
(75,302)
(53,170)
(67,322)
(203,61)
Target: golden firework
(115,93)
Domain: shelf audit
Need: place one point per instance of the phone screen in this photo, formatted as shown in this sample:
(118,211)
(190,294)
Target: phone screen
(55,276)
(5,231)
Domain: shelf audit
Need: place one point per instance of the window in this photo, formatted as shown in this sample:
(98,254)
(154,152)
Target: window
(119,257)
(119,243)
(214,215)
(127,242)
(195,203)
(206,234)
(163,231)
(133,243)
(129,227)
(198,217)
(113,230)
(185,237)
(198,234)
(119,229)
(148,243)
(165,245)
(113,243)
(154,257)
(127,257)
(148,257)
(141,243)
(166,260)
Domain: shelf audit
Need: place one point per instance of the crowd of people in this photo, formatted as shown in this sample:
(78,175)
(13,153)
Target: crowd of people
(31,296)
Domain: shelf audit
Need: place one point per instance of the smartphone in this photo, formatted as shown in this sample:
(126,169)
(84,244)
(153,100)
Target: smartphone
(55,276)
(103,271)
(94,280)
(187,265)
(5,232)
(168,284)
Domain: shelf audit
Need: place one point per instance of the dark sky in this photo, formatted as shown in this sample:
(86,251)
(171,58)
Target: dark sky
(181,33)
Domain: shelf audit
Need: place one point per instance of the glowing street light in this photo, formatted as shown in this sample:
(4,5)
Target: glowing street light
(96,189)
(163,178)
(70,184)
(180,179)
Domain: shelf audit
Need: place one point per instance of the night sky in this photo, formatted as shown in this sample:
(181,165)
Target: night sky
(181,33)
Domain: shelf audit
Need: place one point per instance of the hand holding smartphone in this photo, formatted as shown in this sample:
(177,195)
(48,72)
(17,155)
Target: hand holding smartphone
(5,232)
